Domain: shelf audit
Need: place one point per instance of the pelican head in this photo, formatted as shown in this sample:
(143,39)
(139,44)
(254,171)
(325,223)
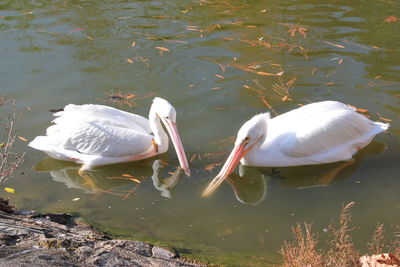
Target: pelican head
(167,114)
(250,134)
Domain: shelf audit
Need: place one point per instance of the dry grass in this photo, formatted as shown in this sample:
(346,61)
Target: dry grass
(342,251)
(9,160)
(377,243)
(304,251)
(395,248)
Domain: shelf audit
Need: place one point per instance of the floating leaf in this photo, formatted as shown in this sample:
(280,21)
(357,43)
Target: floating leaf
(269,74)
(297,28)
(76,199)
(135,180)
(9,190)
(219,76)
(251,69)
(336,45)
(362,110)
(164,49)
(391,19)
(180,42)
(22,138)
(129,60)
(133,44)
(127,175)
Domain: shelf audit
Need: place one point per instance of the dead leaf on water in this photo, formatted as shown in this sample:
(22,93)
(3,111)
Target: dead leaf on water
(163,49)
(135,180)
(264,100)
(383,119)
(362,110)
(127,99)
(22,138)
(294,28)
(251,68)
(391,19)
(219,76)
(269,74)
(336,45)
(180,42)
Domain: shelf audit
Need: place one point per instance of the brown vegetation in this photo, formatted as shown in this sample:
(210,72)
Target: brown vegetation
(304,251)
(9,160)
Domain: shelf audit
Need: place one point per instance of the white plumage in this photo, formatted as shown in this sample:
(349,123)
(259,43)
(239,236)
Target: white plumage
(316,133)
(98,135)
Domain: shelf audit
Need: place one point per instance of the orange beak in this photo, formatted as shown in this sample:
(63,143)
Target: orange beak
(176,141)
(233,160)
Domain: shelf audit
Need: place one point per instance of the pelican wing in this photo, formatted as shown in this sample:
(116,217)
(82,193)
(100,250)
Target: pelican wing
(90,112)
(322,126)
(107,140)
(96,130)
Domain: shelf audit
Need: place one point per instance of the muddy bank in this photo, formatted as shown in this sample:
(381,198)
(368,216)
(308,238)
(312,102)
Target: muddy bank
(35,239)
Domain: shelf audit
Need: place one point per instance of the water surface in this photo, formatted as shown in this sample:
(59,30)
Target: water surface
(203,56)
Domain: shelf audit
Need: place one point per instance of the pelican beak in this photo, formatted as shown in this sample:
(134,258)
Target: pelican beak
(233,160)
(176,140)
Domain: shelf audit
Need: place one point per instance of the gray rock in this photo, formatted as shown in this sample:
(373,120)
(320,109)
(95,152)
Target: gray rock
(163,253)
(59,240)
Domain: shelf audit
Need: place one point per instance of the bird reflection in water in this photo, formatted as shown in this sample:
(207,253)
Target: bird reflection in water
(109,179)
(164,185)
(250,186)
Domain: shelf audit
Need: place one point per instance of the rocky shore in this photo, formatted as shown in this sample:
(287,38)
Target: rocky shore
(37,239)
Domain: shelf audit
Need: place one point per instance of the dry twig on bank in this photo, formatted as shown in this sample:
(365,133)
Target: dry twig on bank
(9,160)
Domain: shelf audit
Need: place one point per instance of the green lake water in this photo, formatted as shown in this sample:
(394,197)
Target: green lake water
(209,59)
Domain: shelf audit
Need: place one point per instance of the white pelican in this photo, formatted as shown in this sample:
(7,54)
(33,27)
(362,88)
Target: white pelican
(316,133)
(94,135)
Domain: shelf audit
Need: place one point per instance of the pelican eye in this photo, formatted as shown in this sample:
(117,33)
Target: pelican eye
(246,140)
